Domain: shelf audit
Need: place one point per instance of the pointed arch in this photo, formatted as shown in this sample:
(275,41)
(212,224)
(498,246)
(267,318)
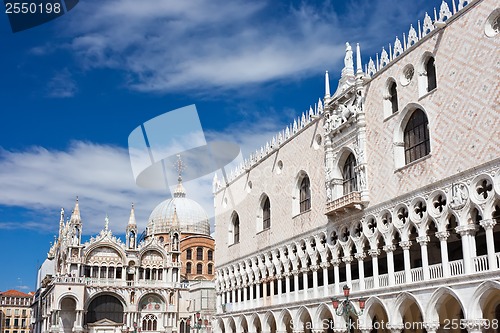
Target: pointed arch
(376,310)
(404,302)
(436,300)
(322,314)
(482,297)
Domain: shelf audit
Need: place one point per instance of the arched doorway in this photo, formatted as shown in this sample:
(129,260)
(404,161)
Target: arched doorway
(105,307)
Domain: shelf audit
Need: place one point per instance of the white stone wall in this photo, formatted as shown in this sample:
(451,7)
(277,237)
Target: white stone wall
(299,154)
(463,111)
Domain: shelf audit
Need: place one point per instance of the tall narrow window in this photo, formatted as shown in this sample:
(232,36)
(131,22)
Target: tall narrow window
(199,269)
(393,92)
(149,323)
(210,269)
(349,179)
(236,229)
(305,194)
(199,253)
(189,254)
(431,74)
(416,137)
(266,214)
(188,268)
(210,255)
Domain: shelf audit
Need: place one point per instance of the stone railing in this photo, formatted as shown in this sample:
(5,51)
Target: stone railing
(456,268)
(350,200)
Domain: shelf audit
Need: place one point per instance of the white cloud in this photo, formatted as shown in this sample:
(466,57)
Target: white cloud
(41,181)
(62,85)
(218,45)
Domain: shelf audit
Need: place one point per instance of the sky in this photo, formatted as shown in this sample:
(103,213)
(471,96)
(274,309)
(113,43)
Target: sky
(73,89)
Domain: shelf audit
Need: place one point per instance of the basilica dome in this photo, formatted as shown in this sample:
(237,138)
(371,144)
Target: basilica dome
(179,211)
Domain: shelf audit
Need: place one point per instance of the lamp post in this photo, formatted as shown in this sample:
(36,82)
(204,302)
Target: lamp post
(345,307)
(198,325)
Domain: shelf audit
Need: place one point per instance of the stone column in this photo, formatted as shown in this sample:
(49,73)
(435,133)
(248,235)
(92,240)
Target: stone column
(374,253)
(280,288)
(361,269)
(233,297)
(389,249)
(287,286)
(488,226)
(314,270)
(443,236)
(304,279)
(245,296)
(251,293)
(336,275)
(348,275)
(467,232)
(264,292)
(406,254)
(296,284)
(425,257)
(324,266)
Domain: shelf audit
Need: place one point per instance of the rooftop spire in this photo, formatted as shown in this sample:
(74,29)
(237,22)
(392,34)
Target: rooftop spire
(175,218)
(131,220)
(327,85)
(75,216)
(106,223)
(359,67)
(179,191)
(61,223)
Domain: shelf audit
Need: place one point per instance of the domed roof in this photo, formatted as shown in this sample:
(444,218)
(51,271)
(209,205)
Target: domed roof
(179,211)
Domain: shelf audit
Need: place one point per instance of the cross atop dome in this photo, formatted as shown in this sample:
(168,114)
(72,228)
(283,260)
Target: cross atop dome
(180,166)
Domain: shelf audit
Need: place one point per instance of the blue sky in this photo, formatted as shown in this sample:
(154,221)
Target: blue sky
(73,89)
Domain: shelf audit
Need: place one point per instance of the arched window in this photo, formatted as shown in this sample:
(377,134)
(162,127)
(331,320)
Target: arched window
(199,269)
(189,254)
(149,323)
(199,253)
(393,93)
(266,213)
(416,137)
(210,269)
(349,179)
(210,255)
(188,268)
(305,194)
(430,68)
(236,229)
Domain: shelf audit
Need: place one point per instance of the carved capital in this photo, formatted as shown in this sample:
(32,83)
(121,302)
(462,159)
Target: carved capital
(374,252)
(360,256)
(423,240)
(325,265)
(347,259)
(405,245)
(336,261)
(314,268)
(466,230)
(488,224)
(442,235)
(399,144)
(389,248)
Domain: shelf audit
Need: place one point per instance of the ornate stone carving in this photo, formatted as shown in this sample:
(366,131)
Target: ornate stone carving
(459,196)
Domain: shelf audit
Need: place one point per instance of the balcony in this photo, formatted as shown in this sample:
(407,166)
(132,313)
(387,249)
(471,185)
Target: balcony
(344,204)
